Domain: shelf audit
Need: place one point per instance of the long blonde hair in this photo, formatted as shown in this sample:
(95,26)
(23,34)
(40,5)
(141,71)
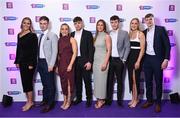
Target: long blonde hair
(31,27)
(130,30)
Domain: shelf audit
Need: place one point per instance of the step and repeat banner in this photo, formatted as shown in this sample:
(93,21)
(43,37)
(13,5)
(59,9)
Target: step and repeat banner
(63,11)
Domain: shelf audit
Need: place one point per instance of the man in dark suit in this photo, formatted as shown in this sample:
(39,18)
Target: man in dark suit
(84,60)
(155,60)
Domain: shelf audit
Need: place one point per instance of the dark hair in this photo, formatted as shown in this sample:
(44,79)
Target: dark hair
(27,18)
(77,18)
(104,23)
(68,29)
(44,18)
(115,17)
(149,15)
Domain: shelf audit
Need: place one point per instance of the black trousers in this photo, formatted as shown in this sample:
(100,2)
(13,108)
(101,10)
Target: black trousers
(27,77)
(48,82)
(152,69)
(82,74)
(116,67)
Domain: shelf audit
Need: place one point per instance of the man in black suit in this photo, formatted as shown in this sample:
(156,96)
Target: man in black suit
(155,60)
(84,60)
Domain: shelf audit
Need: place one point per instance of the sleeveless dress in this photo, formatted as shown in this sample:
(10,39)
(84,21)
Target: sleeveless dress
(65,53)
(100,77)
(132,58)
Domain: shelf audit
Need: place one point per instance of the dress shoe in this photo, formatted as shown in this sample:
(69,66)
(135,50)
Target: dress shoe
(120,103)
(147,104)
(108,102)
(157,108)
(42,103)
(77,101)
(88,103)
(46,109)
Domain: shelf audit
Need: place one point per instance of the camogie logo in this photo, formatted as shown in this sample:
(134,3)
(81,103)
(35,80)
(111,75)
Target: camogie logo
(9,18)
(10,31)
(12,56)
(37,18)
(13,81)
(172,44)
(118,7)
(9,5)
(92,19)
(65,6)
(171,7)
(141,7)
(170,32)
(92,7)
(40,92)
(37,5)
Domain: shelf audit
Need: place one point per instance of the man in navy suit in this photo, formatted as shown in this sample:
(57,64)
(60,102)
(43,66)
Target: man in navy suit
(155,60)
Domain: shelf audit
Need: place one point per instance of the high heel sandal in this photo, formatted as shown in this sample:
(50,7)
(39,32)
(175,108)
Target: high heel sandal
(68,104)
(134,104)
(27,107)
(100,104)
(130,103)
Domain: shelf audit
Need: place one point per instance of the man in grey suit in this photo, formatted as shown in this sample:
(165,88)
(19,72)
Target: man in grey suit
(47,53)
(120,52)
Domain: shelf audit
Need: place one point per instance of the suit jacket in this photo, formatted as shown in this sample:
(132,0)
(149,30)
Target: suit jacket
(26,51)
(123,44)
(161,43)
(86,46)
(50,48)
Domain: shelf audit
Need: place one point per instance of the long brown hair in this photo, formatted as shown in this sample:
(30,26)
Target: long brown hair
(105,30)
(60,35)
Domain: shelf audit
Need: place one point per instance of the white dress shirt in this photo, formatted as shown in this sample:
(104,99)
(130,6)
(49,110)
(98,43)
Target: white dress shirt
(77,36)
(114,35)
(150,41)
(41,55)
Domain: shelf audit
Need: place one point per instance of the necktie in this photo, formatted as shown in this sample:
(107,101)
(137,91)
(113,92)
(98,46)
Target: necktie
(40,43)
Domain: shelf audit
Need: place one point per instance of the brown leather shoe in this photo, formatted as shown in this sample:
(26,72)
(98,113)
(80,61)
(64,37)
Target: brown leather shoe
(157,108)
(146,105)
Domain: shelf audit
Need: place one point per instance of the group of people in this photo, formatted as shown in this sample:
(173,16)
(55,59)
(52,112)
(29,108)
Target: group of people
(77,56)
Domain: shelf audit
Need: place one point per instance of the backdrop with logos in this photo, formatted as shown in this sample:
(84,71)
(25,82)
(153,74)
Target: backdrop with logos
(63,11)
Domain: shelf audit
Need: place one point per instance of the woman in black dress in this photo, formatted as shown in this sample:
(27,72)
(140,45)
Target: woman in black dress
(67,52)
(137,41)
(26,57)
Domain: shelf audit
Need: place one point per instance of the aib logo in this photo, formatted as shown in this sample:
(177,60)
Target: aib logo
(145,7)
(10,43)
(40,92)
(13,92)
(170,68)
(170,32)
(65,6)
(9,5)
(38,31)
(118,7)
(170,20)
(65,19)
(166,80)
(9,18)
(37,5)
(92,7)
(13,81)
(167,91)
(92,19)
(37,80)
(12,56)
(171,7)
(93,32)
(12,69)
(143,20)
(10,31)
(37,18)
(172,44)
(122,19)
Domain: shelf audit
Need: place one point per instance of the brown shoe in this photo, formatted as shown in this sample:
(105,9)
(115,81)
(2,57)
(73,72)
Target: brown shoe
(146,105)
(157,108)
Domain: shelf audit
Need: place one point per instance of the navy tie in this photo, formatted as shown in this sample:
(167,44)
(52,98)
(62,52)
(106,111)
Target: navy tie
(40,44)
